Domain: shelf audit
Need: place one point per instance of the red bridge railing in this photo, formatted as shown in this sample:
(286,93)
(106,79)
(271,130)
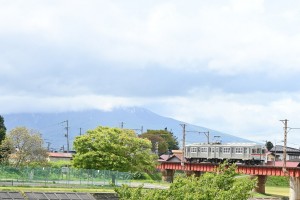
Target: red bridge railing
(242,169)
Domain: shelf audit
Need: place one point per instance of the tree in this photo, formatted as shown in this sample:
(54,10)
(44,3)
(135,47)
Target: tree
(165,139)
(4,150)
(2,129)
(210,186)
(269,145)
(114,149)
(27,146)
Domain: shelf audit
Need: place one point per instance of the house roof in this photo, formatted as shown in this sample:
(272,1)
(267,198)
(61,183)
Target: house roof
(60,155)
(170,158)
(279,148)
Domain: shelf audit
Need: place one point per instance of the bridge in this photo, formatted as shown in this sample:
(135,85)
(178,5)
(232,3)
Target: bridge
(168,169)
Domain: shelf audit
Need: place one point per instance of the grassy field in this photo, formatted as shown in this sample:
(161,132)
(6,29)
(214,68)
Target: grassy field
(274,192)
(278,191)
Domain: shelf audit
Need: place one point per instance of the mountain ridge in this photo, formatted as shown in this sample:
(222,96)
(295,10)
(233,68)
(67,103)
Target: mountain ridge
(52,126)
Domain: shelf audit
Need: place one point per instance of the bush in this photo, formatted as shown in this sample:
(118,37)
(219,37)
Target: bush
(280,181)
(210,186)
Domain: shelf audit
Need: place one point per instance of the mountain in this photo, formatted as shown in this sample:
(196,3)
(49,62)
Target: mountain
(52,126)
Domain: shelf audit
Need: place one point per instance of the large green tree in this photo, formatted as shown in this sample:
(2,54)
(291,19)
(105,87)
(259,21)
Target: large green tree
(26,146)
(221,185)
(115,149)
(2,129)
(165,139)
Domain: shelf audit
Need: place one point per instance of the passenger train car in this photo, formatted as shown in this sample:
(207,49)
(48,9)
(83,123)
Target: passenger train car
(246,153)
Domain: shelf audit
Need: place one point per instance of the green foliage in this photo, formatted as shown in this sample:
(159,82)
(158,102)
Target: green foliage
(5,150)
(126,193)
(280,181)
(26,146)
(114,149)
(2,129)
(59,163)
(165,139)
(221,185)
(269,145)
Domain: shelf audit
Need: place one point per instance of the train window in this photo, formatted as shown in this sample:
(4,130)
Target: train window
(226,150)
(253,150)
(239,150)
(258,150)
(193,149)
(203,149)
(245,150)
(263,151)
(217,149)
(212,149)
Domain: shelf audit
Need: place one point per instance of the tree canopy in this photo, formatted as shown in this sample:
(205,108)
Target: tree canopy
(210,186)
(165,139)
(269,145)
(2,129)
(26,146)
(115,149)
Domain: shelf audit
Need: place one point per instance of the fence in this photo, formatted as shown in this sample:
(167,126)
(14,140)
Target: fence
(61,177)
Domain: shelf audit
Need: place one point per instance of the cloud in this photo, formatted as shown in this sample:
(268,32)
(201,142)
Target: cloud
(230,37)
(231,65)
(254,115)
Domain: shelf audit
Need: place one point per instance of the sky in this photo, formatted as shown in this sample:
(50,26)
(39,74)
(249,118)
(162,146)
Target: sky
(229,65)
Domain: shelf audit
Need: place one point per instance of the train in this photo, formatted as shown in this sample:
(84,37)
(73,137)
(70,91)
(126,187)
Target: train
(240,153)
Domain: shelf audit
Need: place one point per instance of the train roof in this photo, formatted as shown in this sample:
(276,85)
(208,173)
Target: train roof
(225,144)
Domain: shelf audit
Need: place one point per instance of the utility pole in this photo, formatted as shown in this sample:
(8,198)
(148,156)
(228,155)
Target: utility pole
(138,129)
(284,143)
(67,134)
(183,143)
(286,130)
(48,146)
(122,125)
(79,131)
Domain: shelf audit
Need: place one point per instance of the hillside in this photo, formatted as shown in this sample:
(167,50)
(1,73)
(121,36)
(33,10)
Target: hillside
(52,125)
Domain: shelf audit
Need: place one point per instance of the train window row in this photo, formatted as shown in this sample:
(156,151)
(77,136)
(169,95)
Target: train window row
(226,150)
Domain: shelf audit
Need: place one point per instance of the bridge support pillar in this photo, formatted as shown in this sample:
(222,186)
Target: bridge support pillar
(195,173)
(261,181)
(168,175)
(294,188)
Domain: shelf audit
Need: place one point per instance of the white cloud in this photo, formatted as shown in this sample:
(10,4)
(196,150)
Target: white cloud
(254,115)
(229,37)
(19,103)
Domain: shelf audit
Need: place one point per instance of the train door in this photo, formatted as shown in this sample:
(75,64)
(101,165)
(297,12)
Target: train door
(217,153)
(213,153)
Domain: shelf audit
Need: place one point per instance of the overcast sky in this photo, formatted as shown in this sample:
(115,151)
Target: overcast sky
(228,65)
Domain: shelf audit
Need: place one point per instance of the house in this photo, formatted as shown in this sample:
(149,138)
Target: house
(277,153)
(59,156)
(176,156)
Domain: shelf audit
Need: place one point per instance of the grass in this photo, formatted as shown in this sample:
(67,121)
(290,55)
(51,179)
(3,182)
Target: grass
(278,191)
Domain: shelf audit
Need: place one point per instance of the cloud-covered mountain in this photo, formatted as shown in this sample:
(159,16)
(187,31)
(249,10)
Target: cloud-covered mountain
(52,126)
